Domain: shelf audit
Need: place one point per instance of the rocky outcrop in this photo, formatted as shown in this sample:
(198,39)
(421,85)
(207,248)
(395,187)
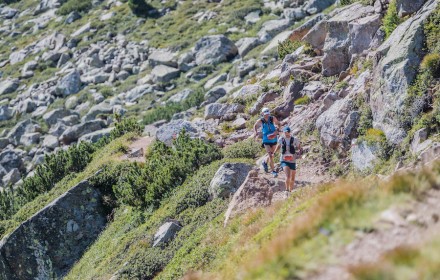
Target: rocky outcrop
(228,179)
(214,50)
(166,233)
(394,72)
(337,125)
(73,133)
(219,110)
(364,156)
(48,244)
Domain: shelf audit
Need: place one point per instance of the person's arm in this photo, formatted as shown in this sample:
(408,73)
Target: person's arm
(257,123)
(277,124)
(276,148)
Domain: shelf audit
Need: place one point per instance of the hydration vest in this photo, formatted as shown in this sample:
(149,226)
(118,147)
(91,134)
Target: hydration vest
(291,146)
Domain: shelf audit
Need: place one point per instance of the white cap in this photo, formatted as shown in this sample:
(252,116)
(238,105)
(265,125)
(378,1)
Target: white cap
(265,111)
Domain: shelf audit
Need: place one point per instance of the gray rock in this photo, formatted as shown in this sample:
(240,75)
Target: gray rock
(312,31)
(219,110)
(11,159)
(83,29)
(58,129)
(71,120)
(26,106)
(17,56)
(313,90)
(12,177)
(164,74)
(214,49)
(167,132)
(166,233)
(8,86)
(408,7)
(216,80)
(228,179)
(138,92)
(29,139)
(269,96)
(8,13)
(93,137)
(247,91)
(27,126)
(364,156)
(316,6)
(252,17)
(71,223)
(294,14)
(337,124)
(6,113)
(71,102)
(99,109)
(180,96)
(30,66)
(245,45)
(213,95)
(73,133)
(69,84)
(293,91)
(239,123)
(245,67)
(73,16)
(271,28)
(123,75)
(3,143)
(50,142)
(162,57)
(349,30)
(419,137)
(53,116)
(395,71)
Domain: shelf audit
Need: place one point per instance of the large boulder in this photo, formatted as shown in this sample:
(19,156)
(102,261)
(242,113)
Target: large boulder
(53,116)
(12,177)
(73,133)
(166,233)
(27,126)
(138,92)
(348,32)
(364,156)
(48,244)
(213,95)
(337,125)
(214,49)
(228,179)
(98,109)
(220,110)
(8,86)
(396,65)
(69,84)
(164,74)
(408,7)
(245,45)
(266,97)
(11,159)
(166,133)
(163,57)
(181,95)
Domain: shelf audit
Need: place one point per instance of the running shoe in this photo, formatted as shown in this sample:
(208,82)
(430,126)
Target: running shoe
(266,168)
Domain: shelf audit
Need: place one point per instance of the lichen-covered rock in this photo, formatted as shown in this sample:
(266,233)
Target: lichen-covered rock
(48,244)
(69,84)
(220,110)
(396,68)
(166,133)
(364,156)
(73,133)
(228,179)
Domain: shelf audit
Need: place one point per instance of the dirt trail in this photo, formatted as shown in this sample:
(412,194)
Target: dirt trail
(137,149)
(410,224)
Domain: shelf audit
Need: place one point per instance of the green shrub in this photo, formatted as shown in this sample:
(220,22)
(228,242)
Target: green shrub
(139,186)
(245,149)
(303,100)
(167,111)
(431,64)
(125,126)
(432,31)
(365,120)
(391,19)
(139,7)
(80,6)
(287,47)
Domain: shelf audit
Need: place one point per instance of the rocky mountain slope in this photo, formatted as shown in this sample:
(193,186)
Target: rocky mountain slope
(84,196)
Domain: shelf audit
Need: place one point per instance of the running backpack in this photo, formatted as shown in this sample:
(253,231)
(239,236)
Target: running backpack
(268,123)
(291,146)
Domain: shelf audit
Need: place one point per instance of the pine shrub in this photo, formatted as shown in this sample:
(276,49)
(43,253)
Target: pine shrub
(391,19)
